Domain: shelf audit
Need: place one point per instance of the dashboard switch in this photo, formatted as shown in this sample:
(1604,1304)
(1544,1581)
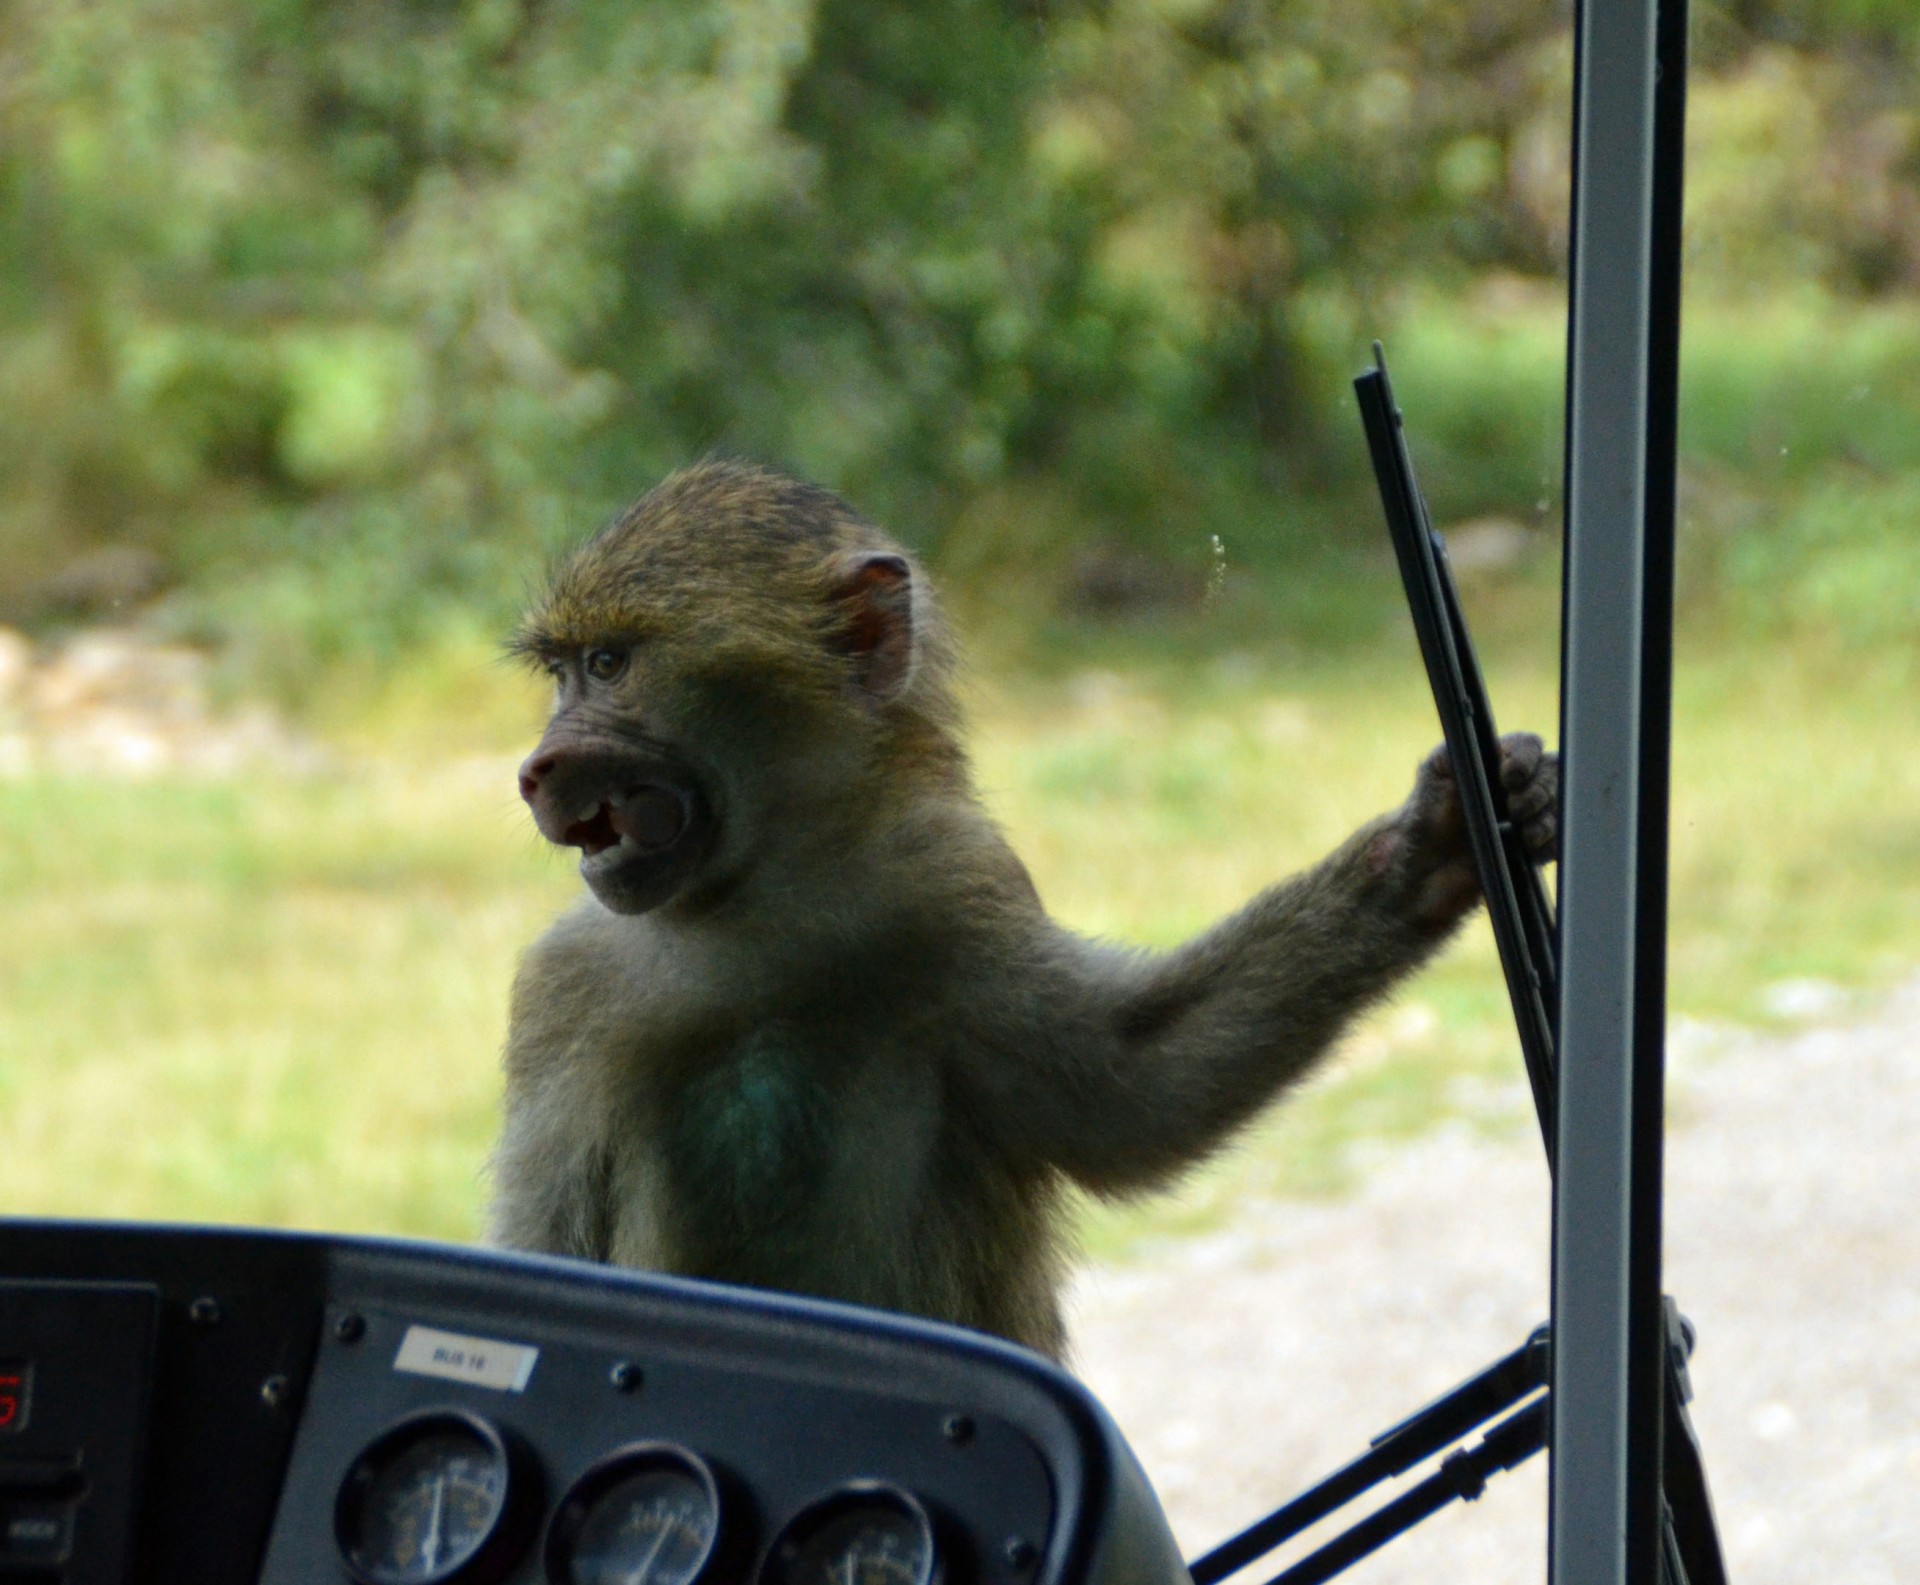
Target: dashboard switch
(35,1531)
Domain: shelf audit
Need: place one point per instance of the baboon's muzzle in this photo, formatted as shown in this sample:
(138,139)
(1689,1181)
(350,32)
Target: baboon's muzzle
(638,817)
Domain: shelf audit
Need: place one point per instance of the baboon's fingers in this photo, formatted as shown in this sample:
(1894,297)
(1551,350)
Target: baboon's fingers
(1542,837)
(1531,799)
(1521,754)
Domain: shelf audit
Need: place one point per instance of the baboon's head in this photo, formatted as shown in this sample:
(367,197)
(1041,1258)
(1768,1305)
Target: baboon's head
(742,664)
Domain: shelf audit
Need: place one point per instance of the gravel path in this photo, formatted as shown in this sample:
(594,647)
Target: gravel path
(1245,1365)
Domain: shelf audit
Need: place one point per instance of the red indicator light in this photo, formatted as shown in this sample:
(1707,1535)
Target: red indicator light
(16,1386)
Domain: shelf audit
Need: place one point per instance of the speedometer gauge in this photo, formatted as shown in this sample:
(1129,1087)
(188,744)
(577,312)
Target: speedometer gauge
(431,1501)
(647,1515)
(866,1533)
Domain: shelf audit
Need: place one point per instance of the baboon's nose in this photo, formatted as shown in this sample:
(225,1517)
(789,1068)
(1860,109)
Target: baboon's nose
(533,771)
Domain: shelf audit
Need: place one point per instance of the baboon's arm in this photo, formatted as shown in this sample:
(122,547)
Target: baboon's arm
(552,1165)
(552,1182)
(1164,1056)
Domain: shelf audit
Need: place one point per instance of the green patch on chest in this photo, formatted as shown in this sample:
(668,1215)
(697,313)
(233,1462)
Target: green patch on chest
(748,1139)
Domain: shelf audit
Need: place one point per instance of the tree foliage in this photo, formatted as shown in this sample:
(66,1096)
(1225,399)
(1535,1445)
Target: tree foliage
(348,304)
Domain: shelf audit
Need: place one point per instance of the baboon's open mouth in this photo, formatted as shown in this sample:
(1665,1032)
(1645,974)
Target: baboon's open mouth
(641,819)
(644,818)
(641,848)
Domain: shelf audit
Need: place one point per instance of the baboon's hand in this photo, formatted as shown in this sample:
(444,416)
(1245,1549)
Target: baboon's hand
(1434,858)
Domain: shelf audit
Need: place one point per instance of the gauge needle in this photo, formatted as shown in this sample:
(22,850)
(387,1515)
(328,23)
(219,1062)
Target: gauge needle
(430,1547)
(645,1570)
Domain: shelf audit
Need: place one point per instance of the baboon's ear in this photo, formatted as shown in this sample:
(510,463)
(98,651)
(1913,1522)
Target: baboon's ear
(875,592)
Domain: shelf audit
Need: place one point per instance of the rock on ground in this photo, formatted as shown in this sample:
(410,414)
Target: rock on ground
(1246,1365)
(119,702)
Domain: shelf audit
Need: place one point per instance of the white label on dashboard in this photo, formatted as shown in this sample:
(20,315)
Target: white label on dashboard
(478,1361)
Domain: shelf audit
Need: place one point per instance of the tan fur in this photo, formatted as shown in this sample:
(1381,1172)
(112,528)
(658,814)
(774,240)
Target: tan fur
(850,1054)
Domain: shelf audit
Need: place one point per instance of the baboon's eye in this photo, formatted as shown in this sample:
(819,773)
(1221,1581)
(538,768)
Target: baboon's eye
(603,665)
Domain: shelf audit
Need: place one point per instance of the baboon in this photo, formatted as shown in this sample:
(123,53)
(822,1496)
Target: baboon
(812,1029)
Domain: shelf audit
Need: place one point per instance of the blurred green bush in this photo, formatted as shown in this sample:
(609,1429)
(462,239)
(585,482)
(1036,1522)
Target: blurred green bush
(347,311)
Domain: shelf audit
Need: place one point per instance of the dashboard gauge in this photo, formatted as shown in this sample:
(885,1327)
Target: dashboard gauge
(649,1514)
(866,1533)
(432,1500)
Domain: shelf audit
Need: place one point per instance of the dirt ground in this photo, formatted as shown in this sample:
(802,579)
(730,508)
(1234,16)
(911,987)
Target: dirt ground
(1246,1365)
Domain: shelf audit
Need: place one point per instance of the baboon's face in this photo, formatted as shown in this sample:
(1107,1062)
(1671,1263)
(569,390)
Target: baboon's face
(707,657)
(606,779)
(673,729)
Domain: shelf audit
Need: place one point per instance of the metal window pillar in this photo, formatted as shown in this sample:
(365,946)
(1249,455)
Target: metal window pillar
(1608,1367)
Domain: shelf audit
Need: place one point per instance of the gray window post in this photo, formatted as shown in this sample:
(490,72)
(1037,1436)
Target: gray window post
(1608,1327)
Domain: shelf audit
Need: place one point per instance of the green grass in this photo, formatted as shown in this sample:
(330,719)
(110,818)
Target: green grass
(275,1002)
(281,999)
(1771,392)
